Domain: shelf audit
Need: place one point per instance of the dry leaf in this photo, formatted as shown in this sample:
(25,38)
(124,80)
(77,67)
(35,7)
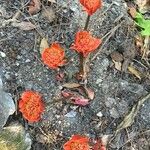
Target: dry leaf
(24,25)
(118,65)
(139,41)
(66,94)
(34,6)
(60,76)
(135,72)
(48,13)
(129,118)
(116,56)
(146,47)
(90,93)
(80,101)
(43,45)
(71,85)
(132,12)
(52,1)
(144,5)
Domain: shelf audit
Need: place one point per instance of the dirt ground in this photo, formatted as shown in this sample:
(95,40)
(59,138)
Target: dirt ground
(115,92)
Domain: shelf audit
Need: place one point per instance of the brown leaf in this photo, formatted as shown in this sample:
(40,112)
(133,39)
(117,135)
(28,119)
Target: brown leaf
(24,25)
(80,101)
(90,93)
(135,72)
(132,12)
(71,85)
(48,13)
(66,94)
(116,56)
(34,6)
(129,118)
(43,45)
(144,5)
(139,41)
(60,76)
(52,1)
(118,65)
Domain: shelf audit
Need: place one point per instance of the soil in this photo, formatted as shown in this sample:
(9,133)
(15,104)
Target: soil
(115,91)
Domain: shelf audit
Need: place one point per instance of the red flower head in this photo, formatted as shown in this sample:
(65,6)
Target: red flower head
(91,6)
(85,43)
(31,106)
(53,57)
(77,142)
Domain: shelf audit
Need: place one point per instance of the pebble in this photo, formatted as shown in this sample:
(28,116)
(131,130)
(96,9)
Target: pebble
(28,60)
(2,54)
(99,114)
(71,114)
(98,81)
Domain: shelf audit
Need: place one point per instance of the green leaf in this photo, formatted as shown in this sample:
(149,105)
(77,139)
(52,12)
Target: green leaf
(144,24)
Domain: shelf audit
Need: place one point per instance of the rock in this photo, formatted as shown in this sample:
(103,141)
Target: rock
(2,54)
(99,114)
(114,113)
(7,106)
(14,137)
(131,87)
(71,114)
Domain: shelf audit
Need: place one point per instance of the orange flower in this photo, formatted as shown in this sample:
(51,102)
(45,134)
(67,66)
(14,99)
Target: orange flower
(77,142)
(91,6)
(85,43)
(53,57)
(31,106)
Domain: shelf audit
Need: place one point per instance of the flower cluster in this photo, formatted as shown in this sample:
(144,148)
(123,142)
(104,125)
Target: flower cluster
(77,142)
(31,106)
(54,56)
(91,6)
(85,43)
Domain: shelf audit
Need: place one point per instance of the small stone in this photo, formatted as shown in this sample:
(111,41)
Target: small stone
(114,113)
(99,114)
(98,81)
(28,60)
(2,54)
(71,114)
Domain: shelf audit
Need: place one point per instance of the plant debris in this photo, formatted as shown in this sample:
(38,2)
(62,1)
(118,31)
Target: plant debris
(129,118)
(34,6)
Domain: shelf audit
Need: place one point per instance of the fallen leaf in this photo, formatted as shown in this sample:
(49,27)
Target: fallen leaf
(144,5)
(66,94)
(139,41)
(146,47)
(52,1)
(34,6)
(80,101)
(48,13)
(132,12)
(90,93)
(60,76)
(43,45)
(135,72)
(118,65)
(24,25)
(116,56)
(129,118)
(71,85)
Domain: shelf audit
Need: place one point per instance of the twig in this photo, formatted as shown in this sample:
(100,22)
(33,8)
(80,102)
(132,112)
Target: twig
(110,33)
